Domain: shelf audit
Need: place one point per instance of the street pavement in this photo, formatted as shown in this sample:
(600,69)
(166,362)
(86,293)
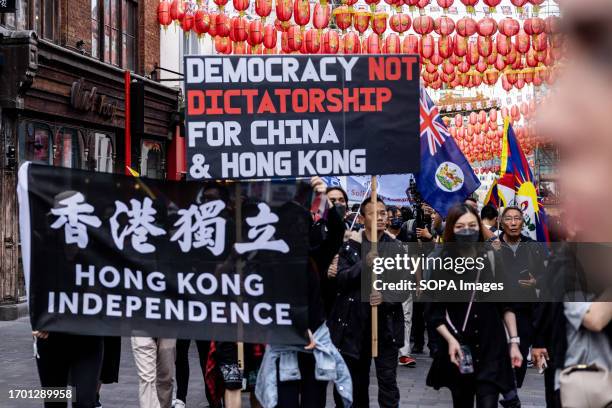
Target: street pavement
(18,370)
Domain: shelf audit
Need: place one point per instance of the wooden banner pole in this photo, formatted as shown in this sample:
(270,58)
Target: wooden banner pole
(238,212)
(374,251)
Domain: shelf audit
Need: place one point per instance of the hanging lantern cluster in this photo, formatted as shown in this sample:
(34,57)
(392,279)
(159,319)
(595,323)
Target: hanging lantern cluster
(479,135)
(461,53)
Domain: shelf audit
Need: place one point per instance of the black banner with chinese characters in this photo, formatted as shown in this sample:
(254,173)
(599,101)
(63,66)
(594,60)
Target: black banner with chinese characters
(254,117)
(108,254)
(8,6)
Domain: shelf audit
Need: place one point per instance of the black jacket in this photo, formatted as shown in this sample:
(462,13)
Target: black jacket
(350,318)
(528,259)
(484,335)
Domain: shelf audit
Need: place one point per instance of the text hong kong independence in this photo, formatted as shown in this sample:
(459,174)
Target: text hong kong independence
(291,116)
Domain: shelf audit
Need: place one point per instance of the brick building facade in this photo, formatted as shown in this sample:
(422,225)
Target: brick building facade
(65,63)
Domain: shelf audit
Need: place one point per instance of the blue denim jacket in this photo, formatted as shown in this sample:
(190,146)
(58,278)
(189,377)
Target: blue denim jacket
(329,366)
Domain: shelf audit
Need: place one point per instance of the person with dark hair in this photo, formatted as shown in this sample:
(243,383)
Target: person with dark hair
(523,260)
(472,202)
(472,330)
(350,319)
(489,215)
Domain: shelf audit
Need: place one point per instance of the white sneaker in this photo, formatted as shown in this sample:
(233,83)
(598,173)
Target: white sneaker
(178,403)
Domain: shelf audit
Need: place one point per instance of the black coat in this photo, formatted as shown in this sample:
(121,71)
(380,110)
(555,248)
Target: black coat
(484,334)
(350,318)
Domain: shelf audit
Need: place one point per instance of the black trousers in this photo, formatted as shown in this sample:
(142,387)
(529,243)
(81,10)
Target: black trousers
(386,376)
(417,332)
(182,366)
(464,398)
(71,359)
(525,329)
(305,393)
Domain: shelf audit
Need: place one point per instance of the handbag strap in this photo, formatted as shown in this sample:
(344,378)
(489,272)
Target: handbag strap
(467,313)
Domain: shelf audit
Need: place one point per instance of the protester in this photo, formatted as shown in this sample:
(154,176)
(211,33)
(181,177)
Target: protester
(154,358)
(478,325)
(523,261)
(350,319)
(489,216)
(299,379)
(110,364)
(64,359)
(472,202)
(182,369)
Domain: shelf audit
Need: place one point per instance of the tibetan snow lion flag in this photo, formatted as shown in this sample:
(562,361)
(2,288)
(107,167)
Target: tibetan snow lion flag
(446,176)
(515,186)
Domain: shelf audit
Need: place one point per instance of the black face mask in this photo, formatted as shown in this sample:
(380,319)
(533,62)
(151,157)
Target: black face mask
(341,210)
(467,236)
(396,223)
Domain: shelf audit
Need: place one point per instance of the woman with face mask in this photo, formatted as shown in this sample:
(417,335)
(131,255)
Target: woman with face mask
(475,358)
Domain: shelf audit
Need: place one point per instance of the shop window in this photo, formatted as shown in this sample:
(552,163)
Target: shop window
(66,149)
(151,161)
(113,32)
(38,143)
(103,152)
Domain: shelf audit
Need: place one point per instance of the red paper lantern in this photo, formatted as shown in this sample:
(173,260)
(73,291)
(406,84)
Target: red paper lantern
(410,3)
(522,42)
(552,24)
(256,33)
(344,17)
(421,4)
(509,27)
(469,5)
(372,45)
(187,22)
(427,46)
(448,68)
(392,44)
(379,22)
(221,4)
(473,56)
(361,20)
(444,26)
(177,10)
(445,47)
(294,38)
(284,10)
(536,5)
(400,23)
(351,43)
(285,43)
(222,25)
(492,4)
(270,36)
(263,8)
(500,63)
(423,25)
(163,13)
(534,26)
(240,48)
(240,6)
(238,30)
(320,18)
(466,27)
(223,45)
(201,22)
(485,46)
(410,44)
(372,4)
(331,42)
(445,4)
(487,27)
(301,12)
(460,46)
(313,41)
(395,4)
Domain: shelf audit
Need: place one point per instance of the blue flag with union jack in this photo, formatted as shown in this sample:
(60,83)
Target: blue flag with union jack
(446,176)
